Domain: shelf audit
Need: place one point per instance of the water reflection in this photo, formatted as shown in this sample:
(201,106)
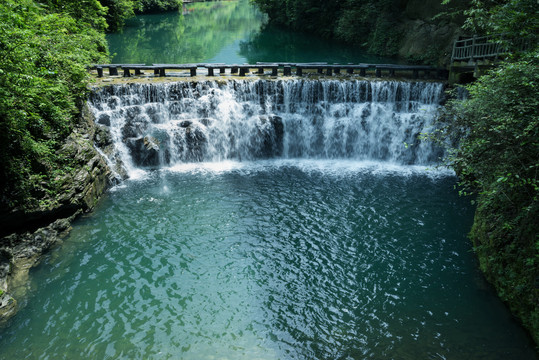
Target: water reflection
(202,32)
(276,44)
(223,31)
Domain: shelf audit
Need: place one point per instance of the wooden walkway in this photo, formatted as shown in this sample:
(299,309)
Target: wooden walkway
(274,69)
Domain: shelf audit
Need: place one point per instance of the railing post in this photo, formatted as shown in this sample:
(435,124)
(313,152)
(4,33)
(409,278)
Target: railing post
(473,48)
(453,54)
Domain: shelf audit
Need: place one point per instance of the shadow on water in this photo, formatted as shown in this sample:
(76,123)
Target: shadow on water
(275,44)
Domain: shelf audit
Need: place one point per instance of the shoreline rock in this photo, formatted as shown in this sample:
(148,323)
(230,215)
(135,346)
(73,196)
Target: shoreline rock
(29,235)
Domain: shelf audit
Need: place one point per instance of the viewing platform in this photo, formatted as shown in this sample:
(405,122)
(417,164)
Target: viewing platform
(473,56)
(270,69)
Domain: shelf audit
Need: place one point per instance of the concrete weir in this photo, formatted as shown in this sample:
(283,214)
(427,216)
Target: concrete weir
(273,69)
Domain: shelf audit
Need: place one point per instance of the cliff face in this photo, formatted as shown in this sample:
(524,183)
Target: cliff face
(429,29)
(35,232)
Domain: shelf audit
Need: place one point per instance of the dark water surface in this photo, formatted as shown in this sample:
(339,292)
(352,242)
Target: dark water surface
(268,260)
(222,31)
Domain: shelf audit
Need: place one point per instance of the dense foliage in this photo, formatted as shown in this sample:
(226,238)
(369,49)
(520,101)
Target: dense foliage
(495,138)
(376,25)
(366,22)
(45,47)
(121,10)
(43,52)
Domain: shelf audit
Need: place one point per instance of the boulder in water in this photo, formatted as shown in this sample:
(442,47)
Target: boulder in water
(135,127)
(185,123)
(271,132)
(104,119)
(144,151)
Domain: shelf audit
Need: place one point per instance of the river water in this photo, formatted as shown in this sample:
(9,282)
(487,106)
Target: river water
(231,32)
(267,219)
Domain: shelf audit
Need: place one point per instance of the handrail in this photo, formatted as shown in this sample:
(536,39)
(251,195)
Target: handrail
(484,48)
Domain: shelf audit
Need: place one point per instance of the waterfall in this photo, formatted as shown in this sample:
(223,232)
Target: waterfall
(163,124)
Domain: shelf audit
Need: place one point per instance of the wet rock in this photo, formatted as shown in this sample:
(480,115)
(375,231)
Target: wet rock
(132,112)
(102,137)
(190,142)
(271,134)
(206,121)
(113,102)
(144,151)
(8,306)
(185,123)
(135,127)
(104,119)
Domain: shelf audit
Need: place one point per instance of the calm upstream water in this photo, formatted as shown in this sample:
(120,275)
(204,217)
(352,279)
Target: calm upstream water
(222,31)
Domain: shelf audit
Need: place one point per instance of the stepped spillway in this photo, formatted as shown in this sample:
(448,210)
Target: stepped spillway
(161,125)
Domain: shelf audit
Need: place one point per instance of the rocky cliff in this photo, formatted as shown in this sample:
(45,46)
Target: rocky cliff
(27,234)
(429,29)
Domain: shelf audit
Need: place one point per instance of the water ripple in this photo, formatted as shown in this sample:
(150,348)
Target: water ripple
(277,262)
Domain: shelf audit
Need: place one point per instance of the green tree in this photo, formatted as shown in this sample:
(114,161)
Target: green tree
(43,79)
(118,11)
(145,6)
(495,137)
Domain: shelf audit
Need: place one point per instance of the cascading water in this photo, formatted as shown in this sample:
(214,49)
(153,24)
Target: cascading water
(160,125)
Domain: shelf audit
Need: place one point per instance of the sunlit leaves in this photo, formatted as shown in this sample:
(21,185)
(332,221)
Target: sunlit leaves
(43,59)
